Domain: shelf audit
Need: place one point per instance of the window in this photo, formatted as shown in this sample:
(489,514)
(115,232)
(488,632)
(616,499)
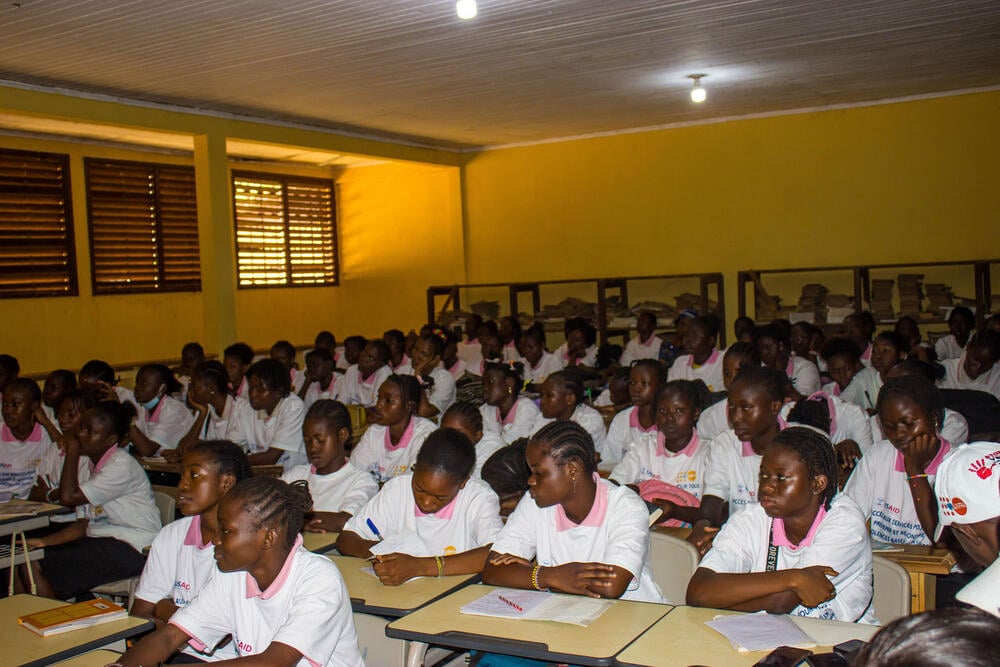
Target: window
(143,227)
(36,225)
(286,234)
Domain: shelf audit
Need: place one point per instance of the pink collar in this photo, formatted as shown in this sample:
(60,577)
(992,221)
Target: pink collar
(445,513)
(648,343)
(253,588)
(370,380)
(241,391)
(402,362)
(932,467)
(712,358)
(748,446)
(105,457)
(867,354)
(790,368)
(458,362)
(597,511)
(8,436)
(689,449)
(154,416)
(633,421)
(836,389)
(193,537)
(781,539)
(472,341)
(509,419)
(403,442)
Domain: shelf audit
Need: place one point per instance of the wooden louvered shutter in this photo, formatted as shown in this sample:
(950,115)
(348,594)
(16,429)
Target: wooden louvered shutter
(143,227)
(36,225)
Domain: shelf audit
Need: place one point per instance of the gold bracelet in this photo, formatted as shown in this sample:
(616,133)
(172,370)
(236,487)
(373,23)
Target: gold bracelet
(440,564)
(534,578)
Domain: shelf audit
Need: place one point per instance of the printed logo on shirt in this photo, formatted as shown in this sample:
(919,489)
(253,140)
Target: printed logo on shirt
(183,585)
(692,475)
(450,550)
(245,648)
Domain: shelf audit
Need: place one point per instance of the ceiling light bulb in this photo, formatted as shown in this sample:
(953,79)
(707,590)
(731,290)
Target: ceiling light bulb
(466,9)
(698,93)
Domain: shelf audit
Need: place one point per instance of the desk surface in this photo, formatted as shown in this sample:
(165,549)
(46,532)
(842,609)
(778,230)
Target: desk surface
(682,638)
(371,596)
(918,558)
(98,658)
(24,647)
(159,464)
(319,543)
(598,644)
(27,509)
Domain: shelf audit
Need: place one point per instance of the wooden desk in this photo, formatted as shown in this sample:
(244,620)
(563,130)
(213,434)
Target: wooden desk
(923,563)
(158,464)
(682,638)
(22,516)
(98,658)
(23,647)
(319,543)
(442,623)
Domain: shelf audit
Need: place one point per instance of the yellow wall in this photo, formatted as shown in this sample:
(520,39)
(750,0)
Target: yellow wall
(914,181)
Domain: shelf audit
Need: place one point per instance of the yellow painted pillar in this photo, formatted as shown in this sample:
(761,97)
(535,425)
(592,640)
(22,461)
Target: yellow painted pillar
(216,237)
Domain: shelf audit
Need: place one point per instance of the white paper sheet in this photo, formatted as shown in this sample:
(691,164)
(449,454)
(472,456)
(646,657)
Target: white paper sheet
(520,604)
(760,631)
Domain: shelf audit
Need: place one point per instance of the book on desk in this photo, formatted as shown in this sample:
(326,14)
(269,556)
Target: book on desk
(66,618)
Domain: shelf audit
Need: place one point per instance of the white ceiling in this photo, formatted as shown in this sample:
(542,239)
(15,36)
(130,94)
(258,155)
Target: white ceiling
(522,71)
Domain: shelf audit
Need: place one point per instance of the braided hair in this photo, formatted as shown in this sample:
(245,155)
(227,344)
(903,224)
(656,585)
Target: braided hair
(568,440)
(816,452)
(334,414)
(228,457)
(275,504)
(468,413)
(571,381)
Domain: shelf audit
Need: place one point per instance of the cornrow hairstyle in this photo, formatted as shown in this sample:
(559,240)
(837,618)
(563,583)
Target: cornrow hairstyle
(658,368)
(816,452)
(535,332)
(117,415)
(747,353)
(938,638)
(988,340)
(27,385)
(286,347)
(67,376)
(409,389)
(213,373)
(228,457)
(812,411)
(965,314)
(241,351)
(775,332)
(571,381)
(321,354)
(10,364)
(915,388)
(513,370)
(272,375)
(467,412)
(506,470)
(99,370)
(335,415)
(381,349)
(768,379)
(166,376)
(568,440)
(436,341)
(447,451)
(325,339)
(840,347)
(694,391)
(894,339)
(275,504)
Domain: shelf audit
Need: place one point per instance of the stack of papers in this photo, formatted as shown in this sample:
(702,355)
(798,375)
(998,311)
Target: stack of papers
(519,604)
(760,631)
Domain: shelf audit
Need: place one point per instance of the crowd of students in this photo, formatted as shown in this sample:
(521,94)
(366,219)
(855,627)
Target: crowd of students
(785,454)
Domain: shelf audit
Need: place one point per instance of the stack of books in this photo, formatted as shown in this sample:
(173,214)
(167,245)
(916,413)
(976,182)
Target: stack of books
(882,300)
(911,293)
(67,617)
(812,301)
(940,298)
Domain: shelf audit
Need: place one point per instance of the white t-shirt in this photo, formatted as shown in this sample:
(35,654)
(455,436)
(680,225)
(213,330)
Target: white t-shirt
(947,347)
(879,486)
(955,377)
(471,352)
(488,445)
(511,353)
(685,469)
(307,608)
(589,356)
(166,424)
(636,349)
(832,388)
(547,365)
(377,455)
(297,378)
(224,426)
(517,424)
(732,471)
(625,431)
(803,375)
(340,359)
(358,391)
(863,389)
(405,366)
(282,429)
(315,392)
(121,503)
(471,520)
(177,568)
(847,422)
(442,394)
(23,461)
(838,539)
(709,372)
(587,417)
(345,490)
(954,428)
(458,369)
(714,420)
(616,532)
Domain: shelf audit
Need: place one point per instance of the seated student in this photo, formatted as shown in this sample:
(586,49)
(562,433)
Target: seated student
(510,338)
(284,353)
(805,342)
(585,535)
(237,359)
(489,348)
(26,449)
(181,560)
(192,354)
(363,379)
(353,347)
(116,515)
(893,482)
(162,420)
(938,638)
(865,385)
(977,368)
(57,385)
(68,417)
(449,520)
(214,405)
(637,423)
(395,432)
(843,362)
(469,349)
(399,362)
(962,324)
(327,341)
(68,412)
(282,604)
(9,370)
(616,394)
(733,464)
(646,344)
(580,348)
(745,329)
(466,417)
(670,474)
(98,376)
(320,380)
(845,424)
(802,550)
(438,384)
(506,471)
(860,327)
(776,353)
(914,348)
(673,347)
(449,356)
(562,400)
(538,363)
(714,419)
(954,427)
(272,431)
(505,411)
(701,361)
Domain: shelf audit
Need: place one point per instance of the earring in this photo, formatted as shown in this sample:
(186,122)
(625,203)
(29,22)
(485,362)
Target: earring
(574,484)
(509,390)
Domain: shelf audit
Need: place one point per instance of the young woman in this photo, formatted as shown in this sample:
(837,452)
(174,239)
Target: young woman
(466,417)
(637,423)
(505,411)
(562,400)
(272,431)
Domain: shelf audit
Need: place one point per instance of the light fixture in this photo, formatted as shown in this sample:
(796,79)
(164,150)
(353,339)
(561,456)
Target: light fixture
(466,9)
(698,93)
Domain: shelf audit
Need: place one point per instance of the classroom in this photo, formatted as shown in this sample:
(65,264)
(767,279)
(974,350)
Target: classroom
(500,184)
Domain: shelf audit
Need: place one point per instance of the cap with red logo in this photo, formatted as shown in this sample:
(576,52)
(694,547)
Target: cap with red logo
(968,485)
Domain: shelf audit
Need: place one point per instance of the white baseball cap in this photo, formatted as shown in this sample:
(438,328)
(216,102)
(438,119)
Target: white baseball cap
(984,590)
(967,485)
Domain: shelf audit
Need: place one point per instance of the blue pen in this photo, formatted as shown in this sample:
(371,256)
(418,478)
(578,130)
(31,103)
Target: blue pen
(371,524)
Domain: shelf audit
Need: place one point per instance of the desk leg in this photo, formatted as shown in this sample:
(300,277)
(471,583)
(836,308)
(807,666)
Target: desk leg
(923,596)
(415,654)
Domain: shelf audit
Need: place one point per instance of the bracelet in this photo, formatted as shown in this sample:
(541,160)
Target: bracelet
(440,564)
(48,494)
(913,477)
(534,578)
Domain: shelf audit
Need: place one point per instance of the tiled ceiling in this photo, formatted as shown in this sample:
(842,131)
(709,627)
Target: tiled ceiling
(522,71)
